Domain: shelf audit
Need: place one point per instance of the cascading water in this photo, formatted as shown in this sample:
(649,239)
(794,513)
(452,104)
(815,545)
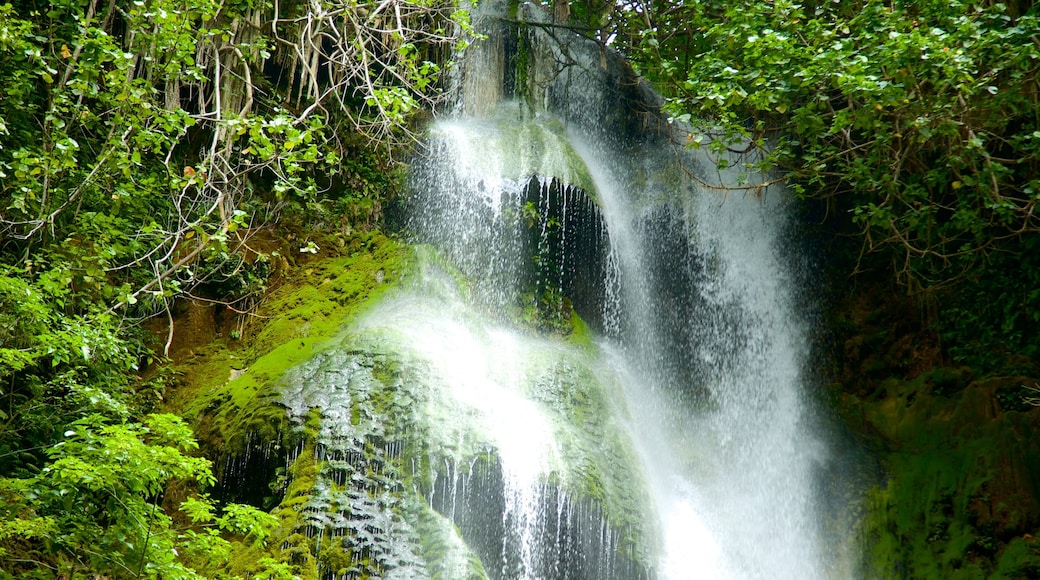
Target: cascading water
(597,369)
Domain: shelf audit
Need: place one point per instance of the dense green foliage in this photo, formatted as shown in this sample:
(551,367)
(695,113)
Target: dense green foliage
(142,146)
(919,117)
(915,123)
(96,507)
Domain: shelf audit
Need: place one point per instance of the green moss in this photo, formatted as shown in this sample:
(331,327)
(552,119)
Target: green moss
(522,61)
(442,546)
(961,494)
(305,336)
(287,544)
(231,387)
(299,320)
(1019,559)
(580,334)
(597,452)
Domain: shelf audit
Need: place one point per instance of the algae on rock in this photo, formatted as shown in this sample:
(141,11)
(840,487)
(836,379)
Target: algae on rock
(352,434)
(298,320)
(959,455)
(406,422)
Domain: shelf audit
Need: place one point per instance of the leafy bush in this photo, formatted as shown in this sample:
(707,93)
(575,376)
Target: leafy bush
(96,507)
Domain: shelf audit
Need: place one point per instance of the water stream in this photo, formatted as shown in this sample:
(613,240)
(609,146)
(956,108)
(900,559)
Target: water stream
(603,358)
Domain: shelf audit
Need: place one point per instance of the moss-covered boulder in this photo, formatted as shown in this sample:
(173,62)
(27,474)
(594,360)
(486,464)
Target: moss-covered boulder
(336,414)
(226,384)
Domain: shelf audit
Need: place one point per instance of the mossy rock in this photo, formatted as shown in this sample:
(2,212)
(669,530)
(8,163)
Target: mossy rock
(234,390)
(319,418)
(963,479)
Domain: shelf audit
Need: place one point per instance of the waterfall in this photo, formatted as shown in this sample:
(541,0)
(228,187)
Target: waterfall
(598,369)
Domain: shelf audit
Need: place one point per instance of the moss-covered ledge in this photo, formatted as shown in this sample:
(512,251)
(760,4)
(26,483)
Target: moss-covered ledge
(227,387)
(324,423)
(962,472)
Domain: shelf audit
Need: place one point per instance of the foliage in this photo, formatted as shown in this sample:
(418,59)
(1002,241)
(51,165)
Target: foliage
(916,122)
(138,140)
(95,508)
(957,499)
(54,368)
(83,482)
(918,114)
(995,314)
(142,144)
(549,312)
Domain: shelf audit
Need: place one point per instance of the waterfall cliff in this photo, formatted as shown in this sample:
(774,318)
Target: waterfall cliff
(595,366)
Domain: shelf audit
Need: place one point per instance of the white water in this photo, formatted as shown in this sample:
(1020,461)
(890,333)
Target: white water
(731,464)
(480,399)
(744,507)
(688,418)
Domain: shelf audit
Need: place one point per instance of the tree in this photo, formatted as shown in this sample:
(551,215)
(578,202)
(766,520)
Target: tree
(141,143)
(136,136)
(920,117)
(95,508)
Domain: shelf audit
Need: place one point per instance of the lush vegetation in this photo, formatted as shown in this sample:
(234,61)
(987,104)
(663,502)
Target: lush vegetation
(914,124)
(143,145)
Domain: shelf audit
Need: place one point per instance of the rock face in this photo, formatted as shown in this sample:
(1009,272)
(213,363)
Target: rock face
(959,455)
(522,463)
(513,185)
(399,449)
(548,69)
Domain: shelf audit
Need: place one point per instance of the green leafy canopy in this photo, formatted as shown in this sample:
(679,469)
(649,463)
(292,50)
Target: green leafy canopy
(96,505)
(918,117)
